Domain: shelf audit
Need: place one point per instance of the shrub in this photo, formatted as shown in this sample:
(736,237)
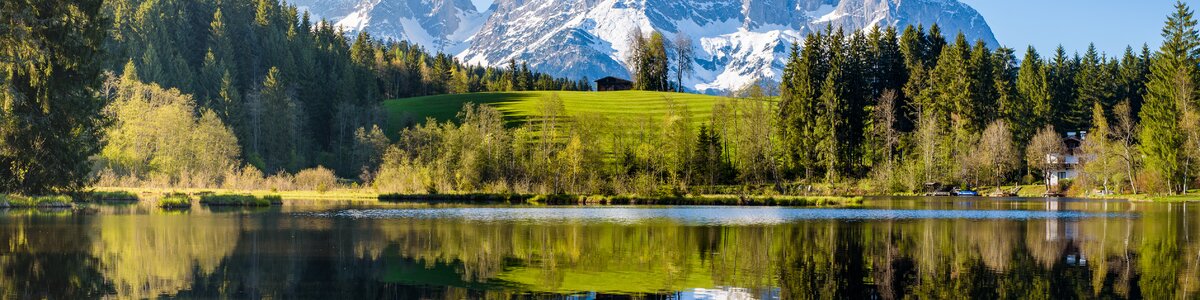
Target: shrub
(245,178)
(319,179)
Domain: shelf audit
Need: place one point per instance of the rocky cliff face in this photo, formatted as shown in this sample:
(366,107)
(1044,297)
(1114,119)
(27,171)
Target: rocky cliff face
(736,41)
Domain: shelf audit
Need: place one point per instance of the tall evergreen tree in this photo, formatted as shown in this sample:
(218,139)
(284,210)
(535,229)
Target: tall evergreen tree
(1034,88)
(50,120)
(1131,79)
(1170,88)
(1065,106)
(1093,85)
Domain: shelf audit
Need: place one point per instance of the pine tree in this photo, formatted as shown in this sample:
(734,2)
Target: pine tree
(1093,84)
(1010,106)
(1065,106)
(982,108)
(1170,87)
(1034,89)
(799,105)
(1131,79)
(50,119)
(832,139)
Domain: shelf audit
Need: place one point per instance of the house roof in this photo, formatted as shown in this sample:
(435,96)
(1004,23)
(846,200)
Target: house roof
(610,79)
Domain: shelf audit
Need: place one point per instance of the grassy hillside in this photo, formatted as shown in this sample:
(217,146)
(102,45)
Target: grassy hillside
(518,106)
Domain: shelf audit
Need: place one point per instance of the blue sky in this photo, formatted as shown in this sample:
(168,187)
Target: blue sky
(1111,24)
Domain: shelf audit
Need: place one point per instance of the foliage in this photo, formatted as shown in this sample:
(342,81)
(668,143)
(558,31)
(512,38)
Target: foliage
(912,108)
(648,61)
(317,179)
(49,109)
(1044,151)
(1100,159)
(995,156)
(159,132)
(288,85)
(1170,101)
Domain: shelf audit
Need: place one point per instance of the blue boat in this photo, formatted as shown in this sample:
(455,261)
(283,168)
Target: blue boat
(966,193)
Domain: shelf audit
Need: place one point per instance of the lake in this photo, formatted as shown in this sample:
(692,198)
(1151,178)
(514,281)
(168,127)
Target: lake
(887,248)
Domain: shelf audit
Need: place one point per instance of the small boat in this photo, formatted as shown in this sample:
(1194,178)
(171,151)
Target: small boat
(966,193)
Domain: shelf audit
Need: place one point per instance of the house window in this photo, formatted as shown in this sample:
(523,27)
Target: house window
(1062,175)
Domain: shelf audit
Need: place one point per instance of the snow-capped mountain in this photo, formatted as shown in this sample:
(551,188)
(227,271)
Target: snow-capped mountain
(439,25)
(736,41)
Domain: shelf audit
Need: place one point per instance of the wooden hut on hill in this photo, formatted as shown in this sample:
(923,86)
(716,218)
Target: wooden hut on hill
(613,84)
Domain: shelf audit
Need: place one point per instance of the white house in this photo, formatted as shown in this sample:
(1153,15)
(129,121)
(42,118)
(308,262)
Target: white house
(1066,165)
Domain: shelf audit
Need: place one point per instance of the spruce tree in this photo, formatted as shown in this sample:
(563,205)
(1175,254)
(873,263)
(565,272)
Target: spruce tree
(1064,104)
(982,105)
(50,115)
(1093,85)
(1034,89)
(1131,79)
(1170,86)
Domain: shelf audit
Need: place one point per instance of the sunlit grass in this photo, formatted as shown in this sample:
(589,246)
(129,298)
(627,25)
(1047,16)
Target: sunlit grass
(335,194)
(517,106)
(175,201)
(35,201)
(239,200)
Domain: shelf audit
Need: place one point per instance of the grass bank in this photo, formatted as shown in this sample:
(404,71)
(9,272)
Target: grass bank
(18,201)
(239,200)
(175,201)
(336,194)
(109,196)
(560,199)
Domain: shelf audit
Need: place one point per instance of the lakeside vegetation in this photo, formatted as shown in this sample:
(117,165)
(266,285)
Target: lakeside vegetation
(566,199)
(283,103)
(16,201)
(175,201)
(239,200)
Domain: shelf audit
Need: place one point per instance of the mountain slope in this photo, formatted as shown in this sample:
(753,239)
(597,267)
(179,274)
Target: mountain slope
(439,25)
(736,41)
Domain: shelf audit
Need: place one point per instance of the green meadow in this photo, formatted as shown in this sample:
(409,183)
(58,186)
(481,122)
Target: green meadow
(520,106)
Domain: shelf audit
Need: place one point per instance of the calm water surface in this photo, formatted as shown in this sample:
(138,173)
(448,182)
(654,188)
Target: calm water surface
(889,248)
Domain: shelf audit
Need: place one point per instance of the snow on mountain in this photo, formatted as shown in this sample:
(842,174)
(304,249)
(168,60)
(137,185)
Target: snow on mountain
(439,25)
(736,41)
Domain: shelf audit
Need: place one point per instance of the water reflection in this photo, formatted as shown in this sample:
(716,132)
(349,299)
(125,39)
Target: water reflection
(1031,249)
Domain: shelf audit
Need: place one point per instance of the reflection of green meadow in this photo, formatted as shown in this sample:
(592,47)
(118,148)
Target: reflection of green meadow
(277,252)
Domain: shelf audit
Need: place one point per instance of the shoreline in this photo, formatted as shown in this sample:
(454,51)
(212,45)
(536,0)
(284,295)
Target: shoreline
(565,199)
(275,198)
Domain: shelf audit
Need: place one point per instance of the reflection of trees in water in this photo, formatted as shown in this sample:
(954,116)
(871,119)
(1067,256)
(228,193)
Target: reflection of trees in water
(150,255)
(46,257)
(283,255)
(1074,258)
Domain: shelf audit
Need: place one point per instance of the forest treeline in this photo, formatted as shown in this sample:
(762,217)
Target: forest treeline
(908,108)
(293,90)
(905,109)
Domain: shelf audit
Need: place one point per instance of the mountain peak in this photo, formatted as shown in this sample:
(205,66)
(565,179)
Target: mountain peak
(737,42)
